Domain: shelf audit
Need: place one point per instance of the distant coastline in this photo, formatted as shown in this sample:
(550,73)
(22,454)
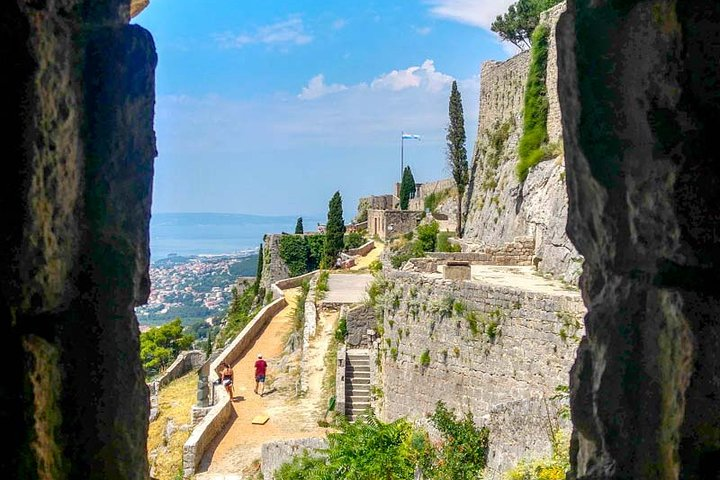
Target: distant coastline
(207,234)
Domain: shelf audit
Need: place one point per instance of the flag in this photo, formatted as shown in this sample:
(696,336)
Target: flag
(410,136)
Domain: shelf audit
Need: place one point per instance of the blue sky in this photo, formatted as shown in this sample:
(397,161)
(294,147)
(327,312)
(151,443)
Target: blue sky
(268,107)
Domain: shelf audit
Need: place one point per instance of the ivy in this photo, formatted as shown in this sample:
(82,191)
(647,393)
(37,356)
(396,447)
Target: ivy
(532,148)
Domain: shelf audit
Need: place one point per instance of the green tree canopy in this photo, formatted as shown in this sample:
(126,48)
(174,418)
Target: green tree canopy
(299,226)
(456,152)
(518,23)
(334,231)
(160,346)
(407,188)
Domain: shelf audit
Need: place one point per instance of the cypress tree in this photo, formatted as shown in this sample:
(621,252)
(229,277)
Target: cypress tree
(407,188)
(258,272)
(456,152)
(299,227)
(334,231)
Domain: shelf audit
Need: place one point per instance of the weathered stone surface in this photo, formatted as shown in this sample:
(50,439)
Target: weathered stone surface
(639,97)
(276,454)
(523,354)
(78,108)
(523,430)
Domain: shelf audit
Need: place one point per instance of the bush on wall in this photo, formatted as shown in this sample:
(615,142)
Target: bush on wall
(532,148)
(302,253)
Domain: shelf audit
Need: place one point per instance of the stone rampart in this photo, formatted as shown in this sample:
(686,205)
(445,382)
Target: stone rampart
(500,207)
(424,190)
(472,345)
(274,268)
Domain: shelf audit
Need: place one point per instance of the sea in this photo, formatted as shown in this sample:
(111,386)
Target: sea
(202,234)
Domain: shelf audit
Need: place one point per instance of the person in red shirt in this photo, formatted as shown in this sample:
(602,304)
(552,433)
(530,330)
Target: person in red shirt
(260,370)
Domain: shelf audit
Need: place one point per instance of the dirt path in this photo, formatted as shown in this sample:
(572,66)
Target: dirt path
(236,452)
(363,263)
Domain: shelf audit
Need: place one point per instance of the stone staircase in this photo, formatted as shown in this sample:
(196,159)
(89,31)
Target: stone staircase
(357,383)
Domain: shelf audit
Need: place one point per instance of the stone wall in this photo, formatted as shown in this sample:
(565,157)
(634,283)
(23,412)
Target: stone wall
(77,106)
(274,268)
(185,362)
(387,224)
(523,430)
(499,207)
(358,320)
(426,189)
(273,455)
(522,353)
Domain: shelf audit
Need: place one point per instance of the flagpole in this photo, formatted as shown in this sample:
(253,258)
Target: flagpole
(402,140)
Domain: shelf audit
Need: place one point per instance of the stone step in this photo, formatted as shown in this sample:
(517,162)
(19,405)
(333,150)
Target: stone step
(357,382)
(357,399)
(357,373)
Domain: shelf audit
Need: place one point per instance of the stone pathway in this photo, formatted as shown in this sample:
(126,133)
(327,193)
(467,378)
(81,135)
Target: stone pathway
(235,453)
(347,288)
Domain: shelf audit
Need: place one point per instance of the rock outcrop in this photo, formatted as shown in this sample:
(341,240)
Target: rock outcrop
(640,101)
(77,106)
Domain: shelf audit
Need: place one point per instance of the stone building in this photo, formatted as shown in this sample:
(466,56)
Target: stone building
(387,224)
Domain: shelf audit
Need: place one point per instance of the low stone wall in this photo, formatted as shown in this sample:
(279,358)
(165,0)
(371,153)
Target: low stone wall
(293,282)
(499,345)
(362,250)
(309,328)
(522,430)
(340,380)
(185,362)
(275,454)
(203,435)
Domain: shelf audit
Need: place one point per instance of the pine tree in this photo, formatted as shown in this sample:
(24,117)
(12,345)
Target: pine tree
(456,152)
(407,188)
(334,231)
(299,226)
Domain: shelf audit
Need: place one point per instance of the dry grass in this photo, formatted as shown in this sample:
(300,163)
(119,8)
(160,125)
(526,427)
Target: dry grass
(174,403)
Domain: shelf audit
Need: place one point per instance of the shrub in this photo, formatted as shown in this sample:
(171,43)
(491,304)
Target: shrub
(443,244)
(354,240)
(433,200)
(427,235)
(375,266)
(425,358)
(341,330)
(321,287)
(553,468)
(463,454)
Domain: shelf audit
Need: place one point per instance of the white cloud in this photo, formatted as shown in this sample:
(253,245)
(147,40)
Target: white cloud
(339,24)
(317,88)
(423,30)
(424,76)
(287,32)
(470,12)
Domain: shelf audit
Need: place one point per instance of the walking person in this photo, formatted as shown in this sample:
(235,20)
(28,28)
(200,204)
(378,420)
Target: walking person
(260,371)
(226,378)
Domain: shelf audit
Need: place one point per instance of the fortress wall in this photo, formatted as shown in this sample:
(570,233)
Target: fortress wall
(530,354)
